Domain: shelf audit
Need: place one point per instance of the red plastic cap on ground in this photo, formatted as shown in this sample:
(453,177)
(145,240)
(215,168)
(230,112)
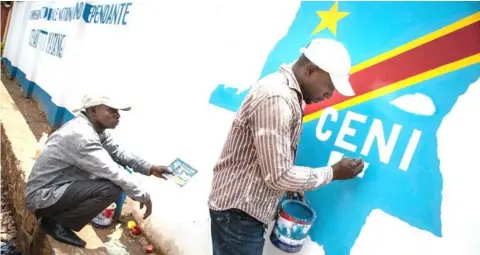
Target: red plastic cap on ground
(149,248)
(136,231)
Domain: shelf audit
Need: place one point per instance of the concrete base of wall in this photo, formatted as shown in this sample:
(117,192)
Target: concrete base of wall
(56,115)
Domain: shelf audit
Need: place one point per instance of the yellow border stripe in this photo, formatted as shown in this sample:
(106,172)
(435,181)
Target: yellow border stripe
(474,59)
(417,42)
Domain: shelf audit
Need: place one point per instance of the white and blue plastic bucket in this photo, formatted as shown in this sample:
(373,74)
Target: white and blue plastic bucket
(105,218)
(292,226)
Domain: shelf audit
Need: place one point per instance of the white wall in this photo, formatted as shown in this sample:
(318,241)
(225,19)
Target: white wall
(170,57)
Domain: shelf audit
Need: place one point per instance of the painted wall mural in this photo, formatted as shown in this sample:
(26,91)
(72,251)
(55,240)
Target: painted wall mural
(410,66)
(416,74)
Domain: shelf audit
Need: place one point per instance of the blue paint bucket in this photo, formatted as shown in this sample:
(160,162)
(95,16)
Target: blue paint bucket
(293,223)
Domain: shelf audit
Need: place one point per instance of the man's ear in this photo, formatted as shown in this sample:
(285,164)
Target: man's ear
(310,68)
(92,110)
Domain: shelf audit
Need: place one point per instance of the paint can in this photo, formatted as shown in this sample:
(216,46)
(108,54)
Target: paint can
(292,225)
(105,218)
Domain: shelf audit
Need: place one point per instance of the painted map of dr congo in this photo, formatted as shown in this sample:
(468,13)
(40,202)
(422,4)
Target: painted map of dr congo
(410,66)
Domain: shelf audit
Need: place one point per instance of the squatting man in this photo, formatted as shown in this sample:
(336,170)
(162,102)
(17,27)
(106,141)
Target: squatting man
(80,171)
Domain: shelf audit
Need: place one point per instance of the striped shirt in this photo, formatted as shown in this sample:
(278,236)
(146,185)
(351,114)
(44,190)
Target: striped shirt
(256,166)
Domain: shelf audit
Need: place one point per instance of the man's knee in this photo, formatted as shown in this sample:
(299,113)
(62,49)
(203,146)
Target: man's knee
(111,190)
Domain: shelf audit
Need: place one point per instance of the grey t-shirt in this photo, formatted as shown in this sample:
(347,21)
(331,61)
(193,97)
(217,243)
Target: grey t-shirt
(77,152)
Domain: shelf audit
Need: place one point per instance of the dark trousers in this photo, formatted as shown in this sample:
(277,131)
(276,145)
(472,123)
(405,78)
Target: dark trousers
(234,232)
(81,202)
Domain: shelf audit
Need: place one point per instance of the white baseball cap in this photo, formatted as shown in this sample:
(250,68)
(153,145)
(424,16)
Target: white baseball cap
(332,57)
(91,100)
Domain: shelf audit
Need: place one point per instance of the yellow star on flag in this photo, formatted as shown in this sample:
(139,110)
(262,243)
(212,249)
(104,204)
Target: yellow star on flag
(329,19)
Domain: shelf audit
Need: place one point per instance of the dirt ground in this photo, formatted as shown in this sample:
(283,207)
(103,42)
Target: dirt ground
(35,117)
(38,124)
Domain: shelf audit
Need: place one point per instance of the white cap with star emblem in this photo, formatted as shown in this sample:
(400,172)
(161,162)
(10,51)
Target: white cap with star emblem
(332,57)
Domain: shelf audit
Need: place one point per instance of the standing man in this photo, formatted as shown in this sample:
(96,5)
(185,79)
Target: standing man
(80,172)
(256,166)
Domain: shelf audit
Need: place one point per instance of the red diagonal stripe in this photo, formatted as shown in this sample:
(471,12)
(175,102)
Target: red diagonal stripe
(457,45)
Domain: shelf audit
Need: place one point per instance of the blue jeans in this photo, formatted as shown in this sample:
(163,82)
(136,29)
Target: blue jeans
(234,232)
